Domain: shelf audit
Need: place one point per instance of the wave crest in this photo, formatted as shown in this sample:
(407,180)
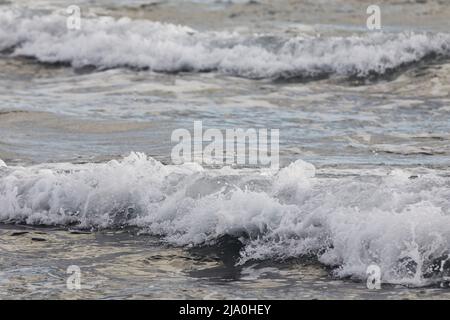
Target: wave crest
(397,221)
(109,43)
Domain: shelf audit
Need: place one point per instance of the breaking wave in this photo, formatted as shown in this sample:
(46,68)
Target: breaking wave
(105,42)
(399,220)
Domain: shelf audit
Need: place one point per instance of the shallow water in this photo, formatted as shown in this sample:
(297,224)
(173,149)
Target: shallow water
(367,111)
(123,265)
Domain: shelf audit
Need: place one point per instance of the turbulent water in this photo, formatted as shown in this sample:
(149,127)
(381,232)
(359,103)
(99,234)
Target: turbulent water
(86,119)
(108,43)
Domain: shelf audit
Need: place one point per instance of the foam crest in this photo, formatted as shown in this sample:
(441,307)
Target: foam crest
(396,221)
(110,43)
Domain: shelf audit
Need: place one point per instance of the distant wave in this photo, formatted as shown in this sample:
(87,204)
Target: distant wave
(399,221)
(109,43)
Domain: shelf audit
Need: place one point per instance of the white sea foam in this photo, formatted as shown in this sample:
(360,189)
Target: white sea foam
(398,222)
(109,43)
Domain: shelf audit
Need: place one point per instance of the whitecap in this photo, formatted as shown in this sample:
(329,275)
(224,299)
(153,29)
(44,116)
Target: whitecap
(112,43)
(347,222)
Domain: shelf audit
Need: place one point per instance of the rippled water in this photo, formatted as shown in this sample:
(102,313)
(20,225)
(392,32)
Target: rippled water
(367,112)
(121,265)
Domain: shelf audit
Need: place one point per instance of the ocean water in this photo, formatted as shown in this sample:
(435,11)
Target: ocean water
(86,118)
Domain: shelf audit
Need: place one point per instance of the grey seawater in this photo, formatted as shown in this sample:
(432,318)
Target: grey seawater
(123,265)
(343,125)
